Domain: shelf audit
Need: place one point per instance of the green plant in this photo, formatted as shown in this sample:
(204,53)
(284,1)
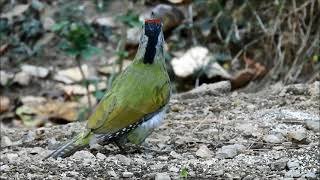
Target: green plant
(76,42)
(131,19)
(184,173)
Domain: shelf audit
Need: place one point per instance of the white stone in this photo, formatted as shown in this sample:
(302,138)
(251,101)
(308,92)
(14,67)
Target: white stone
(292,164)
(5,77)
(35,70)
(162,176)
(5,141)
(299,134)
(272,138)
(123,159)
(313,125)
(112,173)
(204,152)
(101,156)
(174,169)
(229,151)
(11,157)
(22,78)
(83,156)
(195,59)
(127,174)
(5,167)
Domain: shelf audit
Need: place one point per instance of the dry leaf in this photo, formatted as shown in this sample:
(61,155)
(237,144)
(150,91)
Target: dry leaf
(58,110)
(4,104)
(72,75)
(16,11)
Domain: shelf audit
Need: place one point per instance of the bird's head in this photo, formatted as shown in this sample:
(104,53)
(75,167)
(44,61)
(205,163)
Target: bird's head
(151,41)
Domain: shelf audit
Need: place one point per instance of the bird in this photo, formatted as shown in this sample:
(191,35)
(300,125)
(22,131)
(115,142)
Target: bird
(136,102)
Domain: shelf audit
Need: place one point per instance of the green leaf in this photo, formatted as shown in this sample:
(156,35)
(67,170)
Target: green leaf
(122,54)
(89,52)
(99,94)
(131,19)
(59,26)
(184,173)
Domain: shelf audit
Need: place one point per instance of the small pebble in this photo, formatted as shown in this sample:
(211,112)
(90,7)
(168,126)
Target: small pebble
(84,156)
(293,173)
(163,158)
(175,155)
(4,168)
(112,173)
(174,169)
(292,164)
(123,159)
(101,156)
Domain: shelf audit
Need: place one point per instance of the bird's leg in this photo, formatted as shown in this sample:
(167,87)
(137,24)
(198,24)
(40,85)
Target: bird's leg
(118,144)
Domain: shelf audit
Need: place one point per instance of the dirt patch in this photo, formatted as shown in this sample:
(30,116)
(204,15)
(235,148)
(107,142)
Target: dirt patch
(270,134)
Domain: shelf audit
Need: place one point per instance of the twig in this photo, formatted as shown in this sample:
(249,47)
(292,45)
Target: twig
(290,77)
(84,80)
(190,14)
(236,57)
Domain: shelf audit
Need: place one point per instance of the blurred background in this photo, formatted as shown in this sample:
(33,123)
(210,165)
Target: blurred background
(58,57)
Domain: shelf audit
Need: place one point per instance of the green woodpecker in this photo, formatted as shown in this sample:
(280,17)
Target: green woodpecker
(135,104)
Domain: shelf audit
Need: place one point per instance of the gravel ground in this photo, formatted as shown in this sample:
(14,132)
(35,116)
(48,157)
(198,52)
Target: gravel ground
(209,133)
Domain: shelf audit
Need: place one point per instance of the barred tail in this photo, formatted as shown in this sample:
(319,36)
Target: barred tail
(76,144)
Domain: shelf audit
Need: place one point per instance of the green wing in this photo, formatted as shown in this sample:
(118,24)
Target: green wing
(140,90)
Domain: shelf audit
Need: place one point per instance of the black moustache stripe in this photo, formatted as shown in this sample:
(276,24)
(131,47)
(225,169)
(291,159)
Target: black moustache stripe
(152,31)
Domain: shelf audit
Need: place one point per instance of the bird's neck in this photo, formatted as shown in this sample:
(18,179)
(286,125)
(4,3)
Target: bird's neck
(149,54)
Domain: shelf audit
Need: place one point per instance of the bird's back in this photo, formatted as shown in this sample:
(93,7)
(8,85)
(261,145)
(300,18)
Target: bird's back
(140,90)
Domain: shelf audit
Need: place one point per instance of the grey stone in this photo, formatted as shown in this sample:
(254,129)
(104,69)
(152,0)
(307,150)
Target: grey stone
(101,156)
(29,137)
(123,159)
(35,71)
(229,151)
(314,89)
(293,173)
(83,156)
(174,169)
(313,125)
(218,172)
(5,141)
(293,164)
(271,138)
(163,158)
(11,157)
(279,164)
(310,175)
(162,176)
(5,77)
(53,144)
(112,173)
(157,166)
(22,78)
(37,150)
(175,155)
(299,134)
(5,167)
